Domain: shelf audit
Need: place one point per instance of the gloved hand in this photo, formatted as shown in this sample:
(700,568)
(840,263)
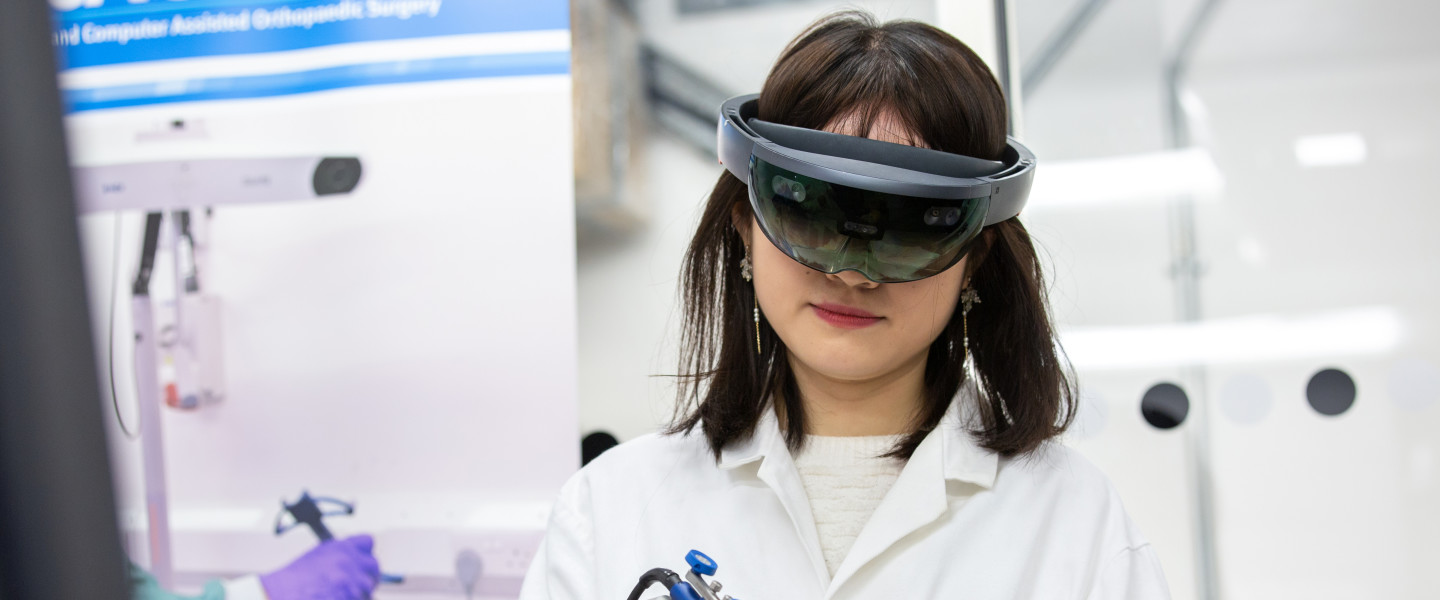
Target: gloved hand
(334,570)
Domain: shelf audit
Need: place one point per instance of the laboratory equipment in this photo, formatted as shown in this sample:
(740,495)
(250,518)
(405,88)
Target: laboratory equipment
(692,587)
(183,338)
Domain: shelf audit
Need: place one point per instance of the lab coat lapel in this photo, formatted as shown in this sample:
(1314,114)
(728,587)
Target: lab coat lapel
(919,495)
(777,470)
(915,500)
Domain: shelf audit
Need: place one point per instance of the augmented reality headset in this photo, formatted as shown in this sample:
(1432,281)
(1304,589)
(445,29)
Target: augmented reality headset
(889,211)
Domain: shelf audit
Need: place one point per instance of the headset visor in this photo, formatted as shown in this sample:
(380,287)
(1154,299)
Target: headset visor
(889,238)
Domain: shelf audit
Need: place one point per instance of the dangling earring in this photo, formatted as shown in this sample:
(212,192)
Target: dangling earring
(747,272)
(968,299)
(757,327)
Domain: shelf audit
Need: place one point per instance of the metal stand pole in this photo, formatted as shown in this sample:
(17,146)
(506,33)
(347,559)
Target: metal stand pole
(1186,272)
(152,444)
(1007,53)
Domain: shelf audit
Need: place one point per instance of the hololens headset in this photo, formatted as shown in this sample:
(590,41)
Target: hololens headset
(892,212)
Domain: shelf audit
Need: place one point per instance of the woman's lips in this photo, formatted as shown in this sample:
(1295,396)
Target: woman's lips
(843,316)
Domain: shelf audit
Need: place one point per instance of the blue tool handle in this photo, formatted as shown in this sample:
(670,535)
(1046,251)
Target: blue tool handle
(388,578)
(683,591)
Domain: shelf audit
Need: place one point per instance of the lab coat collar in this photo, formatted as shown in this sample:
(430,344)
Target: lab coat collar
(961,458)
(755,447)
(921,494)
(918,497)
(777,469)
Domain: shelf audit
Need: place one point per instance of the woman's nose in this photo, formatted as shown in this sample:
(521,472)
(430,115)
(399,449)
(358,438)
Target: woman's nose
(853,279)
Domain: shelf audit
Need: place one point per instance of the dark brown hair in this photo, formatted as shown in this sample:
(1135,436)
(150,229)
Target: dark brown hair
(848,65)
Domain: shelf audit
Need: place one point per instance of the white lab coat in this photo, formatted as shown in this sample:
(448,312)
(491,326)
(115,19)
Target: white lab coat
(958,523)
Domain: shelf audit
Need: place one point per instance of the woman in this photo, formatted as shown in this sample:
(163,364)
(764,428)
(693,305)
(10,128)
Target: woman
(863,427)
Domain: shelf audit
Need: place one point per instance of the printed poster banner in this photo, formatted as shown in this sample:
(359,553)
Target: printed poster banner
(111,33)
(107,32)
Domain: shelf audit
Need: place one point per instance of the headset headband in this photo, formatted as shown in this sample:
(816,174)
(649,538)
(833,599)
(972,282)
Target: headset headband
(872,164)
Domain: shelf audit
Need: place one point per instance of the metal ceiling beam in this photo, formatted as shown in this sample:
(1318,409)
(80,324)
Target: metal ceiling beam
(684,100)
(1057,44)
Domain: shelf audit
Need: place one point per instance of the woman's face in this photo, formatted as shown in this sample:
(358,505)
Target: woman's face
(843,326)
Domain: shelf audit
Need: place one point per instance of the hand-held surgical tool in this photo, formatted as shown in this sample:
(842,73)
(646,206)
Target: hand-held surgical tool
(692,587)
(307,511)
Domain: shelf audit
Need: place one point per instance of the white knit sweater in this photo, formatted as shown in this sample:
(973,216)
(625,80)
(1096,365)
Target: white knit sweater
(845,479)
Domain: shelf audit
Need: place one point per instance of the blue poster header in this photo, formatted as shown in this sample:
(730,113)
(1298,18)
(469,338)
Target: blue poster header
(105,32)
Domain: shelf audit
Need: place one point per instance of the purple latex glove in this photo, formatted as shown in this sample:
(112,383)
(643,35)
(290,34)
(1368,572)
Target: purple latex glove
(335,570)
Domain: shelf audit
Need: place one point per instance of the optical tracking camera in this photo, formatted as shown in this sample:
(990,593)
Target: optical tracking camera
(213,182)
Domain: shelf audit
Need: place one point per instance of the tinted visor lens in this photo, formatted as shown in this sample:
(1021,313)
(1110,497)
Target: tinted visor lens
(889,238)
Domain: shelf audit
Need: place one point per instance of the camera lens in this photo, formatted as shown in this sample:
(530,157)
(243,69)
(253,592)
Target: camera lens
(942,216)
(336,176)
(788,189)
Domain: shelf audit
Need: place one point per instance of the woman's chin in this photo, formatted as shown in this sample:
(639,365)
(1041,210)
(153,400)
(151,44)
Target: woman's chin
(857,364)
